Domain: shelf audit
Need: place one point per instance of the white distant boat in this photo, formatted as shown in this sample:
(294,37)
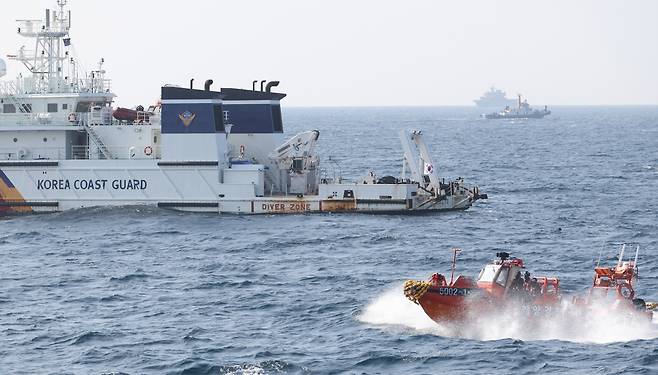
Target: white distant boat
(522,111)
(64,146)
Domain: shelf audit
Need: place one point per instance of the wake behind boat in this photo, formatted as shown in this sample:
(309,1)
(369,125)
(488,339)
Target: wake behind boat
(64,146)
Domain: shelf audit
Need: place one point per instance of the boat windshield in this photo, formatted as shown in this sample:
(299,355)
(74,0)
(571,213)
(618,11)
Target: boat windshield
(502,276)
(488,273)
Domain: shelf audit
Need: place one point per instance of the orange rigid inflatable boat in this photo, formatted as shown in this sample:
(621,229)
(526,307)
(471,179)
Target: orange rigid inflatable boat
(505,284)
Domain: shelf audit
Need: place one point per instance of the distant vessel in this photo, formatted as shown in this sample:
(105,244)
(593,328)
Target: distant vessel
(523,110)
(494,98)
(64,146)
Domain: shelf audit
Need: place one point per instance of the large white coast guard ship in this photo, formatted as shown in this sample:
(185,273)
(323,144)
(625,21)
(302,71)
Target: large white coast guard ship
(63,146)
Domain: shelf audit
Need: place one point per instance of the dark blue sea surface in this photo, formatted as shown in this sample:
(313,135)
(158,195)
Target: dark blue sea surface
(147,291)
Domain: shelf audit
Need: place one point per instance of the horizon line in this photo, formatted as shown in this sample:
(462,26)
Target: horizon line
(461,106)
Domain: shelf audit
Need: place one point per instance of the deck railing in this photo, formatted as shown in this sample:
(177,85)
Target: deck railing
(78,153)
(62,118)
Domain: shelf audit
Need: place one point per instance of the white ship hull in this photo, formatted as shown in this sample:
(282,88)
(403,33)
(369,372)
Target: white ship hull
(63,145)
(49,186)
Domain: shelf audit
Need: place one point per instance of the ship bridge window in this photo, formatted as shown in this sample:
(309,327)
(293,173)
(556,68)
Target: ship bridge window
(52,107)
(83,107)
(26,108)
(276,119)
(8,108)
(65,107)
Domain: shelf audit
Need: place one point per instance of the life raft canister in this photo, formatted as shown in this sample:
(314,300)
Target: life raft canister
(148,150)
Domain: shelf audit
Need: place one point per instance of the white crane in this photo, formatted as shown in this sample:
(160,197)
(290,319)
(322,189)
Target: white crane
(297,153)
(297,163)
(419,161)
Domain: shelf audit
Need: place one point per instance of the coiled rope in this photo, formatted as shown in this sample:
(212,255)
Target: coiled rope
(415,290)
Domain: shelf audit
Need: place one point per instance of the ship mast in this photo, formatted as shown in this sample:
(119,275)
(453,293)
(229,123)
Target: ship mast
(46,62)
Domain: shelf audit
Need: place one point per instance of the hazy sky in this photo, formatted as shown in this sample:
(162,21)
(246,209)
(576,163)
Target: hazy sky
(363,52)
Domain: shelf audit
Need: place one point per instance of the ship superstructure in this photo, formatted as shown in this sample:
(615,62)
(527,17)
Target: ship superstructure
(494,98)
(64,146)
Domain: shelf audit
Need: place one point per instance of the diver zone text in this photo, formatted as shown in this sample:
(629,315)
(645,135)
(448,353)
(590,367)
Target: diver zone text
(91,184)
(290,206)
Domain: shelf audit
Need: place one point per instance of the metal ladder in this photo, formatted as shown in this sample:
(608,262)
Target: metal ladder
(97,140)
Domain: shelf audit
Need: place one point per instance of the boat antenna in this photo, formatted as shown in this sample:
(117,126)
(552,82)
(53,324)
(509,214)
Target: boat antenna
(509,246)
(621,255)
(340,172)
(637,250)
(600,252)
(455,251)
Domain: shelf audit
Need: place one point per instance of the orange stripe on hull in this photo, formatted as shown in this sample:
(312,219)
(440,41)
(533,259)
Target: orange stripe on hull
(8,194)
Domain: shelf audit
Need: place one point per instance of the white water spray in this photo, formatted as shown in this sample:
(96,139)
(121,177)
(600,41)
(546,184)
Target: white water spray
(592,324)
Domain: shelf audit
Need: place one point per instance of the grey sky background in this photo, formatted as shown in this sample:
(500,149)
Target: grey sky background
(367,53)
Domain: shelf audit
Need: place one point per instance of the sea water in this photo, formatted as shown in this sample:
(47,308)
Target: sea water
(146,291)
